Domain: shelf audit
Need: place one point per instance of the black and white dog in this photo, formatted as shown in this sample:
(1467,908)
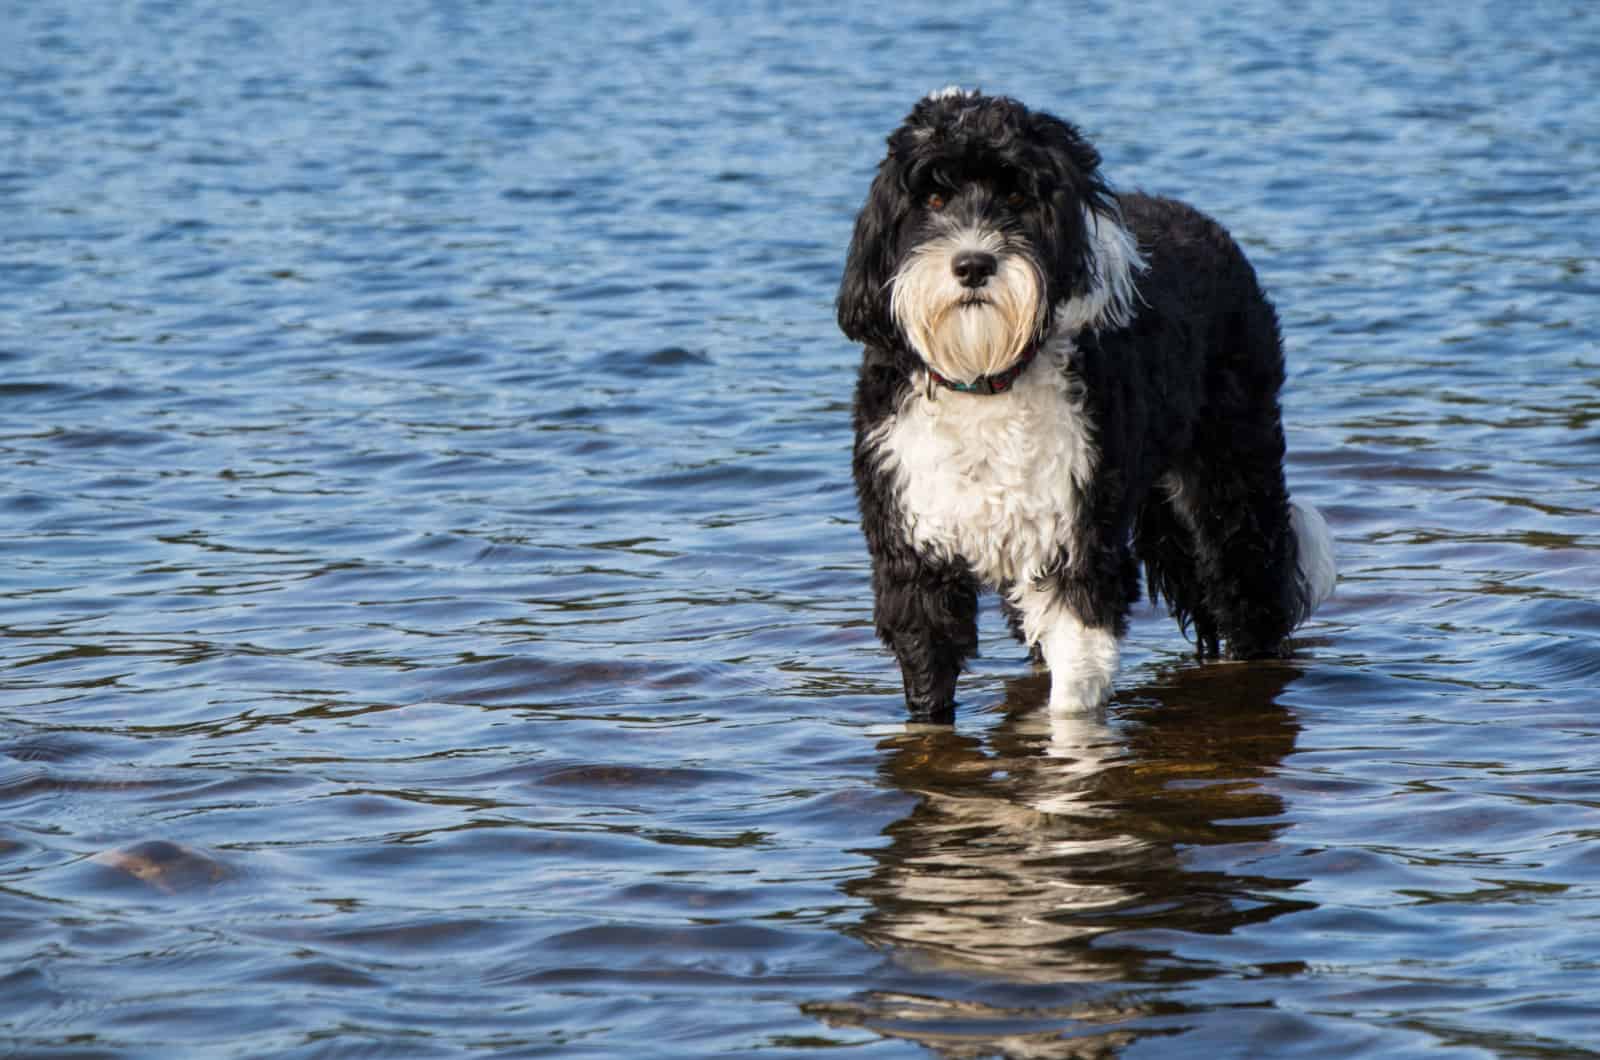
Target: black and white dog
(1059,382)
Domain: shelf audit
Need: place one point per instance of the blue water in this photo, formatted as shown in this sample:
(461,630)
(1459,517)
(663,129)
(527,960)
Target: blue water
(434,622)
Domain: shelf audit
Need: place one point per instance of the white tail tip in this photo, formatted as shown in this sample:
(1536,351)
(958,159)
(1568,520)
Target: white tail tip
(1317,573)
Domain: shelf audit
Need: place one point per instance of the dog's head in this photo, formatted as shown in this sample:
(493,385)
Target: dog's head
(987,225)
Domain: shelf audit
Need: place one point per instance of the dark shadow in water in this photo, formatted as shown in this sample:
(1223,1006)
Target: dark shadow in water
(1006,897)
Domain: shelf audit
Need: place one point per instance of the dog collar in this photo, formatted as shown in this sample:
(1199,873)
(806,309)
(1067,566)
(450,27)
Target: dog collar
(998,383)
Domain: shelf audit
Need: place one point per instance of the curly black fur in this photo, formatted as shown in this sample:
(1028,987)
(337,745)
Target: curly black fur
(1180,397)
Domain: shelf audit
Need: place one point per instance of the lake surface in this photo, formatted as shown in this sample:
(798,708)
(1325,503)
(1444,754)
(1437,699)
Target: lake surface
(434,622)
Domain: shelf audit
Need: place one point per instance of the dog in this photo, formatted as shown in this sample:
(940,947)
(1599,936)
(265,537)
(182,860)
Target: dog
(1059,383)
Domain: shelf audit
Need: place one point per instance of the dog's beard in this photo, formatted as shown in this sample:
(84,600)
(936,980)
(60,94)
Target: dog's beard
(962,332)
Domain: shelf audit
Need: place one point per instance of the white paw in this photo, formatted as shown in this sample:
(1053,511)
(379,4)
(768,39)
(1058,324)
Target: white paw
(1078,693)
(1082,659)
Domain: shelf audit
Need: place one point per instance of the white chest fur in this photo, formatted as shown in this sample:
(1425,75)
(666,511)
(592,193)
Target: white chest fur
(992,479)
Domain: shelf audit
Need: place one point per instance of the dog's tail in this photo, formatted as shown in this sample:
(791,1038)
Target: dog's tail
(1315,571)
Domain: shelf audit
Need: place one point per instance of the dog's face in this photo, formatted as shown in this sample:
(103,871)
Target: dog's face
(986,223)
(968,290)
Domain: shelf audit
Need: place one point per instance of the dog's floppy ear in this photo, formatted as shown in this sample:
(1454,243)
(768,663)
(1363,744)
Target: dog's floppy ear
(869,266)
(1077,189)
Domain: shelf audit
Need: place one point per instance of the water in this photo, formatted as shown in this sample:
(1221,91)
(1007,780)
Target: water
(434,621)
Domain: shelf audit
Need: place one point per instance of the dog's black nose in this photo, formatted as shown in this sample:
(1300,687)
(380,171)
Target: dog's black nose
(974,267)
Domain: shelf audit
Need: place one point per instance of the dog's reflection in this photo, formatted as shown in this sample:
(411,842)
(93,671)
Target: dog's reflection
(1055,849)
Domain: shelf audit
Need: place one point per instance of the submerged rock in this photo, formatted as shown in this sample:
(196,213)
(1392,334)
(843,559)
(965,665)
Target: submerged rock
(167,866)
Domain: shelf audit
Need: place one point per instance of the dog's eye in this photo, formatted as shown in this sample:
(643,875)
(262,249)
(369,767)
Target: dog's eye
(935,202)
(1016,200)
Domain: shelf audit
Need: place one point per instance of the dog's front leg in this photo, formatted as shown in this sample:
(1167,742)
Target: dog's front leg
(1077,613)
(1082,657)
(928,616)
(1083,662)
